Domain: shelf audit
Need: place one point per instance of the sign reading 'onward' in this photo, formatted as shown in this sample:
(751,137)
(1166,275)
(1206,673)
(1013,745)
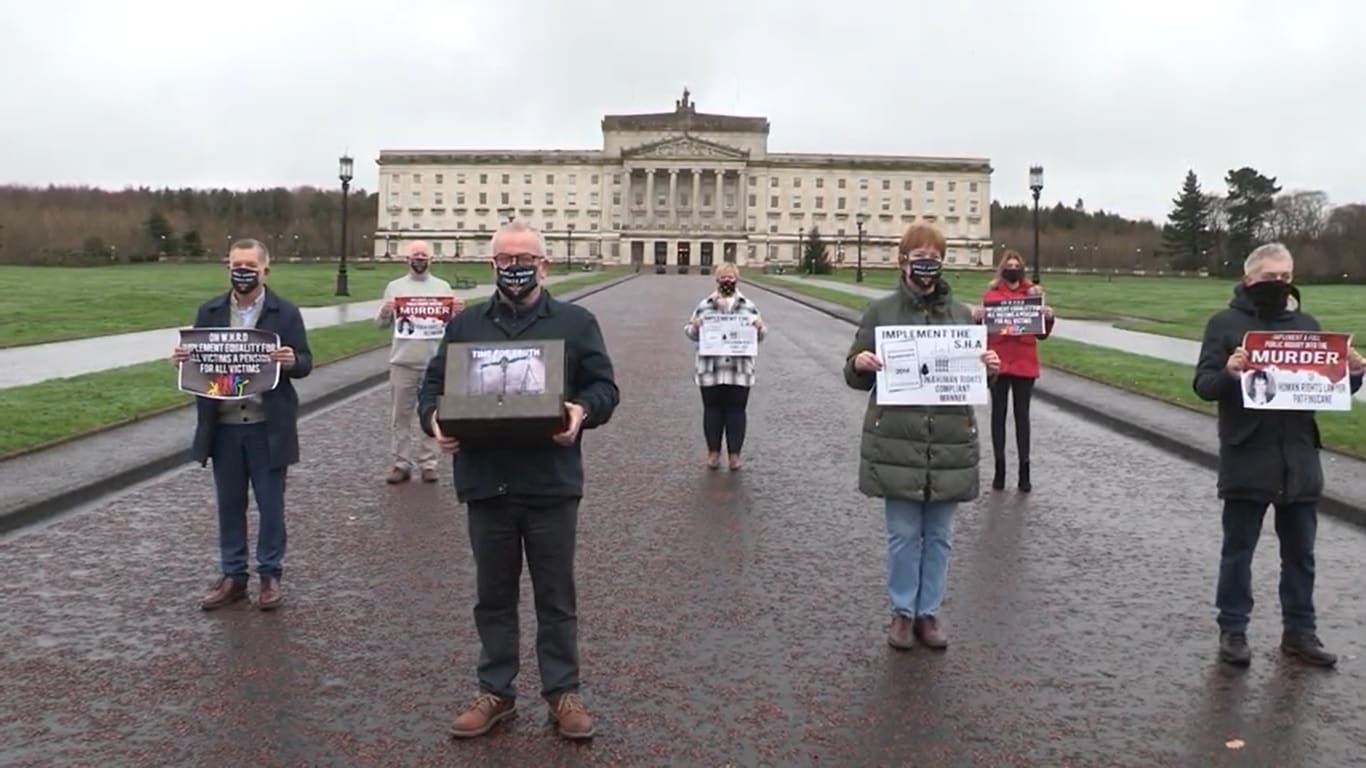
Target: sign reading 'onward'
(228,363)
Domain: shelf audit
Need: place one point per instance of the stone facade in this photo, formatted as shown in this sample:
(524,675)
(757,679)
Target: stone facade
(682,190)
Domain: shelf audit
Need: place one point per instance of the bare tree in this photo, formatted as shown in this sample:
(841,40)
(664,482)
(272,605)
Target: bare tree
(1300,214)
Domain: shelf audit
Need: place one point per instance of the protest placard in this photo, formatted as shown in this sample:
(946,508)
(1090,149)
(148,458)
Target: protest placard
(1015,317)
(228,363)
(931,365)
(1296,371)
(422,317)
(725,334)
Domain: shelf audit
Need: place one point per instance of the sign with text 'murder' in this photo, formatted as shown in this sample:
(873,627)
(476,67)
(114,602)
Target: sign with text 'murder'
(228,363)
(1296,371)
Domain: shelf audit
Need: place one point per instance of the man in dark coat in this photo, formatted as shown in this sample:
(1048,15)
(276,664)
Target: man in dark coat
(1266,458)
(525,498)
(255,439)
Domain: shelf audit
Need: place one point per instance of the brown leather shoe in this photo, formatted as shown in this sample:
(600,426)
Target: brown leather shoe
(397,475)
(899,634)
(225,591)
(429,474)
(928,631)
(270,595)
(571,717)
(486,711)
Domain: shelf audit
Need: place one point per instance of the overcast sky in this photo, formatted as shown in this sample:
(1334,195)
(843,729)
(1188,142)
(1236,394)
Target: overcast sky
(1117,99)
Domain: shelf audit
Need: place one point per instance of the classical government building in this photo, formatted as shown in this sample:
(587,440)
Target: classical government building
(682,190)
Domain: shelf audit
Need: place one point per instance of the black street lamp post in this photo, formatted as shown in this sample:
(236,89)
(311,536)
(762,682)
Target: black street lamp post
(569,250)
(344,173)
(859,218)
(1036,186)
(801,253)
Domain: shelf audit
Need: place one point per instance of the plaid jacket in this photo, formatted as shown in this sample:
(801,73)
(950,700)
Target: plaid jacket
(711,370)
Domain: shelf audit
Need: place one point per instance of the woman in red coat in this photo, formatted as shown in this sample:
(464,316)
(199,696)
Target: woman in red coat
(1019,368)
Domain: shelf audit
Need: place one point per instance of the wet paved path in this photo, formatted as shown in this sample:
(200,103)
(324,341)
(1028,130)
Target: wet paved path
(1095,332)
(726,619)
(59,359)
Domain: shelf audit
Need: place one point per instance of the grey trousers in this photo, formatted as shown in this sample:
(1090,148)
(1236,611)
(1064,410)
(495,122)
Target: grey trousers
(499,532)
(409,445)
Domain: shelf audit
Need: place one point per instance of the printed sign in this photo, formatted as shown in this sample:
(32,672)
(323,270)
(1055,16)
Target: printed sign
(727,334)
(228,363)
(517,371)
(422,317)
(1015,317)
(931,365)
(1296,371)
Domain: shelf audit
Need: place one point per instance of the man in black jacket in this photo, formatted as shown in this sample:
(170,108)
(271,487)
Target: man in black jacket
(525,497)
(251,440)
(1266,458)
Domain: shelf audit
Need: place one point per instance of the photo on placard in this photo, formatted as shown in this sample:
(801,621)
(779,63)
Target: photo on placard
(495,371)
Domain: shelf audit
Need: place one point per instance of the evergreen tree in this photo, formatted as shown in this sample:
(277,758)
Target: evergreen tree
(192,246)
(1251,199)
(815,259)
(1187,236)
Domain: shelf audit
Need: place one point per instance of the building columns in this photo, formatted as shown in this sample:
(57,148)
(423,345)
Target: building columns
(720,193)
(672,210)
(696,211)
(650,193)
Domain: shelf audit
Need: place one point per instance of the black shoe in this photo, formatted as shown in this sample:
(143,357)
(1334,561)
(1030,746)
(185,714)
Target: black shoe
(1233,649)
(1306,647)
(1025,486)
(999,480)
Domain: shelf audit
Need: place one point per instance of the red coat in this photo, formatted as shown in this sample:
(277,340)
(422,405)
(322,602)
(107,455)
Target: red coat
(1019,354)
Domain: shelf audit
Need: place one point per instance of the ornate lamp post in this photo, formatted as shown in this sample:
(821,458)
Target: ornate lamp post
(859,219)
(344,172)
(1036,186)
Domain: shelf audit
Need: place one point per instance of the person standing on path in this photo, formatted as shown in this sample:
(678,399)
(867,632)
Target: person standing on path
(724,381)
(410,447)
(1267,458)
(253,440)
(921,460)
(526,498)
(1019,369)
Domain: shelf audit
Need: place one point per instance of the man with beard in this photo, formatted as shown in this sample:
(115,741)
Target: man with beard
(1266,458)
(410,448)
(525,497)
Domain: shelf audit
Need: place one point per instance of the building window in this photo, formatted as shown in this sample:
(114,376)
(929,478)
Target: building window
(839,183)
(863,203)
(773,229)
(593,199)
(440,178)
(507,178)
(550,178)
(797,183)
(573,179)
(570,197)
(393,224)
(417,178)
(640,199)
(796,201)
(905,203)
(395,178)
(906,185)
(417,225)
(706,199)
(616,179)
(549,225)
(773,182)
(886,184)
(483,198)
(483,178)
(616,198)
(753,181)
(505,198)
(438,199)
(929,186)
(459,198)
(752,223)
(526,178)
(661,201)
(886,203)
(839,203)
(840,233)
(550,198)
(753,200)
(820,202)
(953,207)
(459,225)
(953,185)
(773,201)
(436,248)
(862,183)
(730,200)
(526,198)
(459,178)
(972,186)
(593,179)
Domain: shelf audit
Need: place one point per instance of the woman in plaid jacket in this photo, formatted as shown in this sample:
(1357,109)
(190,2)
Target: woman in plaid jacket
(724,381)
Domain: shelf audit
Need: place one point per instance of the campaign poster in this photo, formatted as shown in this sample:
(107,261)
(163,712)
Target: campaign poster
(422,317)
(228,363)
(1296,371)
(727,334)
(931,365)
(1014,317)
(515,371)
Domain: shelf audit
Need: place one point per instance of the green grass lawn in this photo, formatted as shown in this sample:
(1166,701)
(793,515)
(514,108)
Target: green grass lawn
(48,412)
(139,297)
(1171,306)
(1342,431)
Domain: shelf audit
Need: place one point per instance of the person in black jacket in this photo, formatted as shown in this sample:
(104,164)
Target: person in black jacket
(1266,458)
(252,440)
(525,497)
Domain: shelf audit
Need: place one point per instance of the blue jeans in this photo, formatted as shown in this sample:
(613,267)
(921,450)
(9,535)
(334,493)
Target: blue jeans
(241,454)
(919,537)
(1296,527)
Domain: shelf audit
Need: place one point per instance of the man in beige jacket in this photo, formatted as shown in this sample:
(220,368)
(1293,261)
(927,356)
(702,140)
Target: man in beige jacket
(412,347)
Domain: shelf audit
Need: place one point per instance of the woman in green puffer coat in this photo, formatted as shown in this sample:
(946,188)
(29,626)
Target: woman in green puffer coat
(921,460)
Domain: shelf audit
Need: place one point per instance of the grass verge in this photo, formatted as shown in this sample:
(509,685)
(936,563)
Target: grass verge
(50,412)
(1342,431)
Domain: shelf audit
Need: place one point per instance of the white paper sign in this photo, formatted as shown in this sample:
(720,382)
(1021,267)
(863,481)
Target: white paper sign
(726,334)
(931,365)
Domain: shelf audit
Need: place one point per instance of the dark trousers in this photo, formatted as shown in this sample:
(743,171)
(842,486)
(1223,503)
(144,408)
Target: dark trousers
(499,532)
(1002,389)
(1296,526)
(241,455)
(723,415)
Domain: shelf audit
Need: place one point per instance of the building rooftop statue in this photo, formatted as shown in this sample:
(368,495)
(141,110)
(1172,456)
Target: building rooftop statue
(684,118)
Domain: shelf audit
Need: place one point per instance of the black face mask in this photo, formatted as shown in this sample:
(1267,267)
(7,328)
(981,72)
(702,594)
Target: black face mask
(924,272)
(726,287)
(244,280)
(418,265)
(516,281)
(1012,275)
(1270,297)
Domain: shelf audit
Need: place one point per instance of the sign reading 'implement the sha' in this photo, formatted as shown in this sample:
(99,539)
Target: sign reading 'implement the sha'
(931,365)
(228,363)
(1296,371)
(1014,317)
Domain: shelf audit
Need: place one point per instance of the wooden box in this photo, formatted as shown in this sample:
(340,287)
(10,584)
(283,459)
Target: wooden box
(504,393)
